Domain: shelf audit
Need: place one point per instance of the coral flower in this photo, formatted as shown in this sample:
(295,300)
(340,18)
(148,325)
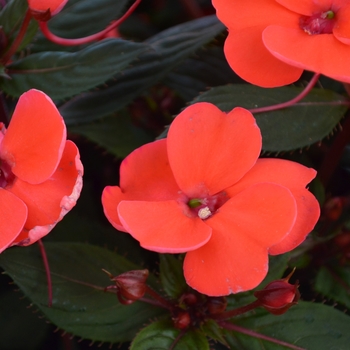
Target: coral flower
(45,9)
(203,191)
(40,172)
(271,42)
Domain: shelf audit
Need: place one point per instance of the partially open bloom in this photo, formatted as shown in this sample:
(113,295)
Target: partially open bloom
(271,42)
(43,10)
(204,191)
(40,171)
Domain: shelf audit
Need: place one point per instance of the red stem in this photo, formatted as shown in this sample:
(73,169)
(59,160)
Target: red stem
(47,269)
(159,298)
(233,327)
(73,42)
(239,311)
(291,102)
(19,38)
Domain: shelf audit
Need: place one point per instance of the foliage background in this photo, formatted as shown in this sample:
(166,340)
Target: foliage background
(118,94)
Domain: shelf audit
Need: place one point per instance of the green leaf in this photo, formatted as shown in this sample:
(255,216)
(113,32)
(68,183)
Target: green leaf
(80,18)
(166,51)
(334,283)
(208,67)
(80,305)
(171,275)
(163,336)
(116,134)
(307,325)
(64,74)
(287,129)
(11,18)
(212,330)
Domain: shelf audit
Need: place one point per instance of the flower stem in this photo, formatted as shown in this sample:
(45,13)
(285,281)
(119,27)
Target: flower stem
(159,298)
(47,269)
(233,327)
(291,102)
(239,311)
(22,31)
(80,41)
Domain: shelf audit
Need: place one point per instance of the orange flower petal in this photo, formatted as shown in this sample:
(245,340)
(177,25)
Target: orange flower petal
(226,265)
(244,49)
(279,171)
(305,7)
(319,53)
(35,138)
(49,201)
(249,13)
(12,218)
(342,28)
(155,180)
(210,150)
(295,177)
(243,228)
(54,6)
(163,227)
(308,210)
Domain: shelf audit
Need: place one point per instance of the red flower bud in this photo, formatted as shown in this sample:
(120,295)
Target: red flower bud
(278,296)
(333,208)
(131,285)
(216,305)
(182,320)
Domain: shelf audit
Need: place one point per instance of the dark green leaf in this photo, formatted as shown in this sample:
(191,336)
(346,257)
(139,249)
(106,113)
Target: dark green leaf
(334,283)
(11,18)
(212,330)
(171,275)
(307,325)
(116,134)
(80,305)
(80,18)
(207,68)
(64,74)
(12,15)
(167,50)
(287,129)
(162,336)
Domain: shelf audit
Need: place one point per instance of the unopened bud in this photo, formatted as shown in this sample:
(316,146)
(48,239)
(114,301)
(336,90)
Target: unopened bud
(130,286)
(182,320)
(216,305)
(278,296)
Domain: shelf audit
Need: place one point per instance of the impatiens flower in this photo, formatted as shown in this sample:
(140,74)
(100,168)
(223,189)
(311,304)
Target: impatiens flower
(271,42)
(203,191)
(40,171)
(45,9)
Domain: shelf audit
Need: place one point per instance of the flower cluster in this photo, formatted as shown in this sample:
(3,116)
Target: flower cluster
(203,191)
(40,171)
(271,42)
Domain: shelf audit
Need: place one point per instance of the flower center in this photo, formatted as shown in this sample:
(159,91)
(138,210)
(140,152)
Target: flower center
(206,207)
(320,23)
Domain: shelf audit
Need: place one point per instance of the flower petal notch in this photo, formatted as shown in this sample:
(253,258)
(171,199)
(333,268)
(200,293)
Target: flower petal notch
(204,192)
(43,10)
(270,43)
(39,169)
